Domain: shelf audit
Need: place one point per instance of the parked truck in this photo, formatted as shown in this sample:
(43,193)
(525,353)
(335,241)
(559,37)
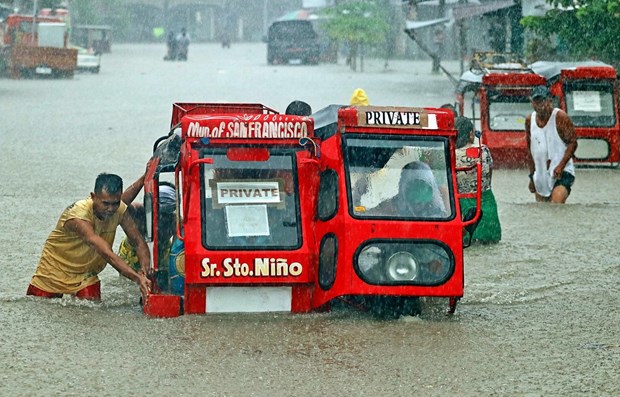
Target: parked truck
(36,46)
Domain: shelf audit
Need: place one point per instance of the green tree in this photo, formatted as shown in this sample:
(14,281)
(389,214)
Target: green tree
(356,23)
(48,4)
(98,12)
(587,28)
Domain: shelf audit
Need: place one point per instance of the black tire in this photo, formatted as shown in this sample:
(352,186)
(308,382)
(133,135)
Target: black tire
(64,74)
(393,307)
(384,307)
(26,73)
(411,306)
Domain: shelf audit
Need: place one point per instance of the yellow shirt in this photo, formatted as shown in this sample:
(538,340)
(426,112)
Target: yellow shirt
(67,263)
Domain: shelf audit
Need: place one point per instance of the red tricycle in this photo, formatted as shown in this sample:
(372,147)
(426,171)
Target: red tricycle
(291,213)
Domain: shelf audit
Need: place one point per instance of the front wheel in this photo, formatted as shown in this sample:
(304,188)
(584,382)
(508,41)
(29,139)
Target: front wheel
(393,307)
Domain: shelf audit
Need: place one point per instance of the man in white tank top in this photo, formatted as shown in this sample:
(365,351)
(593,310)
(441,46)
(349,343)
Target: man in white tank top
(551,142)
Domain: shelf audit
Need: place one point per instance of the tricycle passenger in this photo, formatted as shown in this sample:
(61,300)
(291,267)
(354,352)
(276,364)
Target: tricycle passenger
(165,225)
(298,108)
(489,229)
(418,195)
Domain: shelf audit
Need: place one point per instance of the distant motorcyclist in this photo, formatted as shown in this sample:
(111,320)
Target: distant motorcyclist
(182,45)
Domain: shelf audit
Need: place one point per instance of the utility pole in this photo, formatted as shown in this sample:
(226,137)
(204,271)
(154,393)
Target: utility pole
(265,17)
(35,5)
(438,38)
(462,40)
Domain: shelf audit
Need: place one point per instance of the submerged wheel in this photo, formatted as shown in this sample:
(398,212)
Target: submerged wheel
(393,307)
(411,306)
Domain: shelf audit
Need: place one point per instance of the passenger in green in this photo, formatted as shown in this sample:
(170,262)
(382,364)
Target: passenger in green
(489,229)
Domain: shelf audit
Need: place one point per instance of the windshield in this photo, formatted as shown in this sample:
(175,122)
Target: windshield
(250,204)
(508,112)
(292,31)
(590,105)
(398,177)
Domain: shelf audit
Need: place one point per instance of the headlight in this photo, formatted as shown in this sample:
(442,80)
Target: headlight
(369,258)
(402,267)
(404,262)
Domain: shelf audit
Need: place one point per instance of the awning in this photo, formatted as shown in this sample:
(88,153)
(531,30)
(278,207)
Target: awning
(423,24)
(303,14)
(466,11)
(93,27)
(553,69)
(461,11)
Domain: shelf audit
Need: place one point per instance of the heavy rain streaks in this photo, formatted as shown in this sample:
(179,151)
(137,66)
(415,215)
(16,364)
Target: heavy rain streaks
(539,315)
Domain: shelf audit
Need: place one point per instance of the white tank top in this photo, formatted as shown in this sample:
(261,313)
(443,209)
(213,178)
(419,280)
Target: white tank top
(547,147)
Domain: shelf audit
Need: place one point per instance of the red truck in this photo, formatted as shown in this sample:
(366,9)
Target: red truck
(36,46)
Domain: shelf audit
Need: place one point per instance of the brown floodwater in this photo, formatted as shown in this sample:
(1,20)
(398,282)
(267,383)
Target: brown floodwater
(540,315)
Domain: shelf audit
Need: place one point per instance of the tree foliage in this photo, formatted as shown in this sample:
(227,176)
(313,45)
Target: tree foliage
(361,21)
(101,12)
(356,23)
(588,28)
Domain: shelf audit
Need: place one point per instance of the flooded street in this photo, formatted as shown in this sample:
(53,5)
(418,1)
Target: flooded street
(541,310)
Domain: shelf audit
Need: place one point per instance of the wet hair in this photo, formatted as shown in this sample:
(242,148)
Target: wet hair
(464,126)
(298,108)
(451,107)
(113,184)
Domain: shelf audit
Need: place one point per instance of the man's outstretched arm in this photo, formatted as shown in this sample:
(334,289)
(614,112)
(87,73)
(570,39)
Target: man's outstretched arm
(85,230)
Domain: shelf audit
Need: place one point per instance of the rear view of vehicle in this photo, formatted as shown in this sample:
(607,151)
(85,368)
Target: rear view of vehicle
(588,93)
(497,98)
(87,60)
(292,42)
(389,225)
(36,46)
